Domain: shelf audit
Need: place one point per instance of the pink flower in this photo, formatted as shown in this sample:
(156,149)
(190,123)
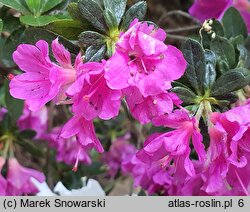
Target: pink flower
(84,132)
(91,95)
(145,109)
(68,150)
(143,60)
(174,145)
(3,183)
(205,9)
(153,178)
(19,179)
(229,148)
(119,152)
(37,121)
(43,80)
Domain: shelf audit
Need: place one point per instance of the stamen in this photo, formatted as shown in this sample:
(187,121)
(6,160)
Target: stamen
(75,168)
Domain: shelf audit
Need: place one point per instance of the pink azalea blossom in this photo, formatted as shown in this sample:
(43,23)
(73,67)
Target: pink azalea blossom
(37,121)
(119,152)
(205,9)
(43,80)
(19,179)
(68,150)
(3,183)
(229,149)
(154,178)
(143,60)
(174,145)
(145,109)
(84,132)
(91,95)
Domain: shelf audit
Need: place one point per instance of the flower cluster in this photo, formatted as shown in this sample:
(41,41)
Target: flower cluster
(205,9)
(142,74)
(186,159)
(163,165)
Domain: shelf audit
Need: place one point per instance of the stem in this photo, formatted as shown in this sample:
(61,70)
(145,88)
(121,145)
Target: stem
(6,149)
(182,29)
(208,111)
(178,12)
(177,37)
(199,111)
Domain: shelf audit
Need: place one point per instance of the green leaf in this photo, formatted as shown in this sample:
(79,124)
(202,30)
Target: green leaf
(49,4)
(116,7)
(74,11)
(1,25)
(91,38)
(206,38)
(27,134)
(5,124)
(67,28)
(231,81)
(242,54)
(18,5)
(10,45)
(34,6)
(95,53)
(210,74)
(186,95)
(138,10)
(32,35)
(93,12)
(195,72)
(30,147)
(224,50)
(233,23)
(38,20)
(110,19)
(14,106)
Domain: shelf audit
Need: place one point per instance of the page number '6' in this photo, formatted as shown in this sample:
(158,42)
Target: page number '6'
(241,203)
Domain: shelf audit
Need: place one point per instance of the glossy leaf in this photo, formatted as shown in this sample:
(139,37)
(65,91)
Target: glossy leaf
(49,4)
(18,5)
(210,74)
(95,53)
(231,81)
(138,11)
(37,20)
(116,7)
(110,19)
(93,12)
(34,6)
(233,23)
(91,38)
(67,28)
(195,57)
(185,94)
(224,50)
